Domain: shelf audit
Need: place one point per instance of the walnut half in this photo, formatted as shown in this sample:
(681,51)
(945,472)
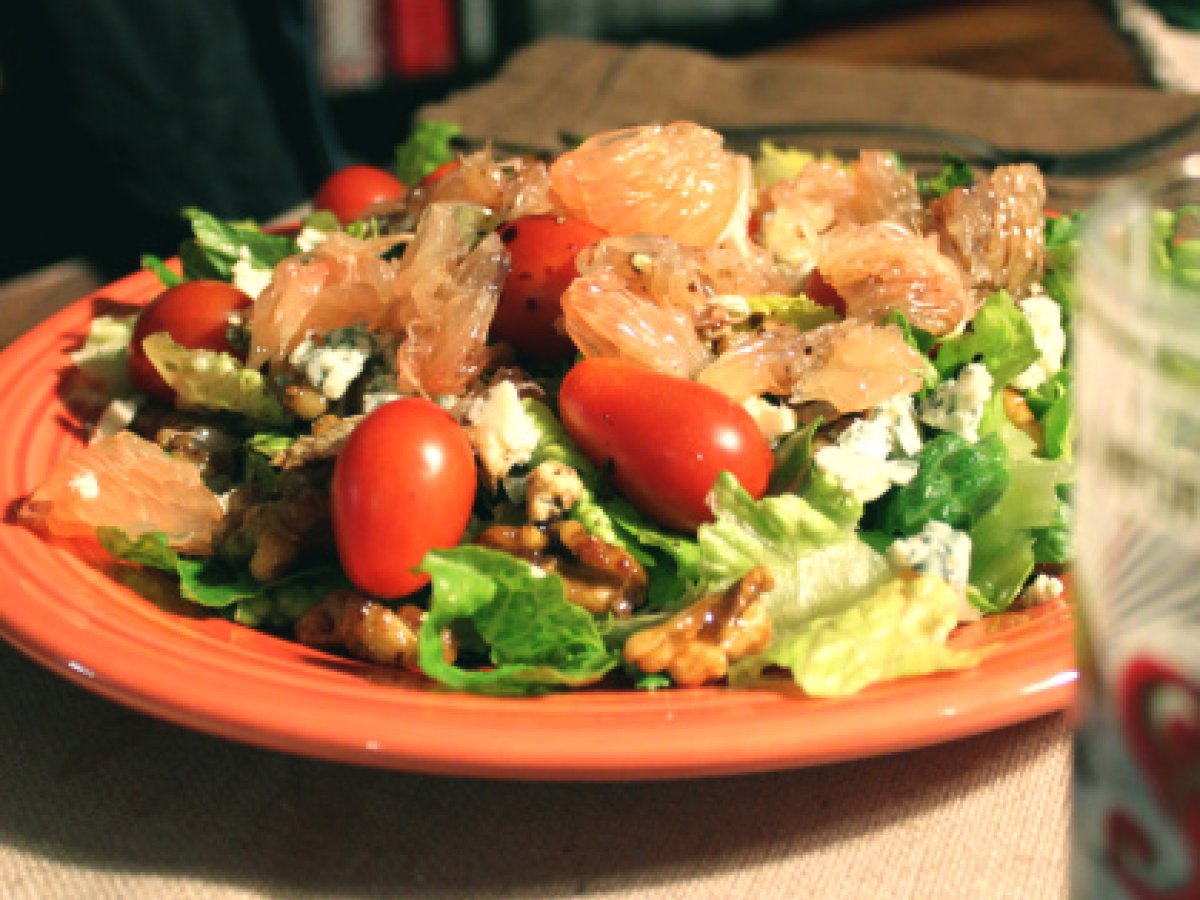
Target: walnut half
(367,629)
(698,644)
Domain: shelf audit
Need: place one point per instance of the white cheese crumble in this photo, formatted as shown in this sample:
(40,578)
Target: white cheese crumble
(1042,589)
(957,404)
(247,278)
(310,238)
(943,552)
(331,364)
(1045,318)
(864,460)
(774,420)
(501,431)
(85,485)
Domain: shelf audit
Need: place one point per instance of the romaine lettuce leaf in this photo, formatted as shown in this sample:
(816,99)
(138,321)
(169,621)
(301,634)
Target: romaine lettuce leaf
(955,172)
(214,380)
(217,246)
(427,147)
(999,336)
(1051,404)
(895,631)
(773,164)
(799,310)
(818,566)
(535,639)
(215,583)
(1002,540)
(957,483)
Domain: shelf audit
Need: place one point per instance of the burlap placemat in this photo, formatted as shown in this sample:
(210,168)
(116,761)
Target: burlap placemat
(101,802)
(580,87)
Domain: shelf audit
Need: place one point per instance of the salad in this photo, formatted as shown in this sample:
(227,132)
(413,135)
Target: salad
(651,414)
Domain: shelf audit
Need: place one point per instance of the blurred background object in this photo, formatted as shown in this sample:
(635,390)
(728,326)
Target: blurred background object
(117,113)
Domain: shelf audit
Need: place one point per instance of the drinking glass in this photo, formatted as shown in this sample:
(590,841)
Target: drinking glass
(1136,823)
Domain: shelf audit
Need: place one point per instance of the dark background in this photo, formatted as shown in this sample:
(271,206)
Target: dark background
(114,114)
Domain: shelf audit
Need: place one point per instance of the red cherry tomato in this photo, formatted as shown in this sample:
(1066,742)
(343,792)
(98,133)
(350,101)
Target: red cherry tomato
(663,439)
(403,484)
(543,250)
(349,192)
(196,315)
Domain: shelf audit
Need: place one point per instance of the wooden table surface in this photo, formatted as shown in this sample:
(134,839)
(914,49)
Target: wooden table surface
(1064,40)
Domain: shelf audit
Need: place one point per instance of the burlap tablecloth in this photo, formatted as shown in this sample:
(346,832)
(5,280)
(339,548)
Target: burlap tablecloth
(100,802)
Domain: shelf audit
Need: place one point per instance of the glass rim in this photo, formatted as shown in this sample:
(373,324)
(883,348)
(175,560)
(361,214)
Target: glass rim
(1128,202)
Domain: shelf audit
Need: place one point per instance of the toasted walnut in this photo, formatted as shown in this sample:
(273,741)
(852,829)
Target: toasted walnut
(1018,412)
(551,490)
(697,645)
(284,528)
(329,435)
(367,629)
(598,576)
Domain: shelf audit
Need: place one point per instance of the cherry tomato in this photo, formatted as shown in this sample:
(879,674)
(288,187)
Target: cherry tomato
(349,192)
(543,250)
(196,315)
(662,439)
(403,484)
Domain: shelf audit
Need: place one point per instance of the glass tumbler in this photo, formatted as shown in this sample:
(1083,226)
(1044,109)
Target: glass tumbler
(1136,787)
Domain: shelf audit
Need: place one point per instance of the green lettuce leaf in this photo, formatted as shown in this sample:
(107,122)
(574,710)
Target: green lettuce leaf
(103,359)
(167,276)
(999,336)
(818,566)
(1002,540)
(1051,403)
(897,630)
(671,560)
(427,147)
(213,380)
(799,310)
(773,164)
(921,341)
(217,246)
(955,172)
(1062,245)
(215,583)
(957,482)
(535,639)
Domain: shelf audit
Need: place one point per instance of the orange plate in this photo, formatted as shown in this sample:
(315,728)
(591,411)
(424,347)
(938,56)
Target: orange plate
(208,674)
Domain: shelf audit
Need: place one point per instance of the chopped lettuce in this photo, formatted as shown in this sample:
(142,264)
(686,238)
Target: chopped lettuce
(999,336)
(774,164)
(217,247)
(213,380)
(1062,246)
(534,639)
(921,341)
(799,310)
(1003,539)
(427,147)
(817,565)
(103,359)
(671,560)
(957,483)
(214,583)
(1050,402)
(955,172)
(167,276)
(897,630)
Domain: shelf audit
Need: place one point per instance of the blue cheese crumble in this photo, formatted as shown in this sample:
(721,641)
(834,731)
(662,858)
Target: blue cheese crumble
(246,277)
(501,431)
(330,364)
(940,551)
(1045,318)
(868,457)
(1042,589)
(957,404)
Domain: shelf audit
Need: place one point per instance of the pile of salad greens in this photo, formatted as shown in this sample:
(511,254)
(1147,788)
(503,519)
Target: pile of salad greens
(868,584)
